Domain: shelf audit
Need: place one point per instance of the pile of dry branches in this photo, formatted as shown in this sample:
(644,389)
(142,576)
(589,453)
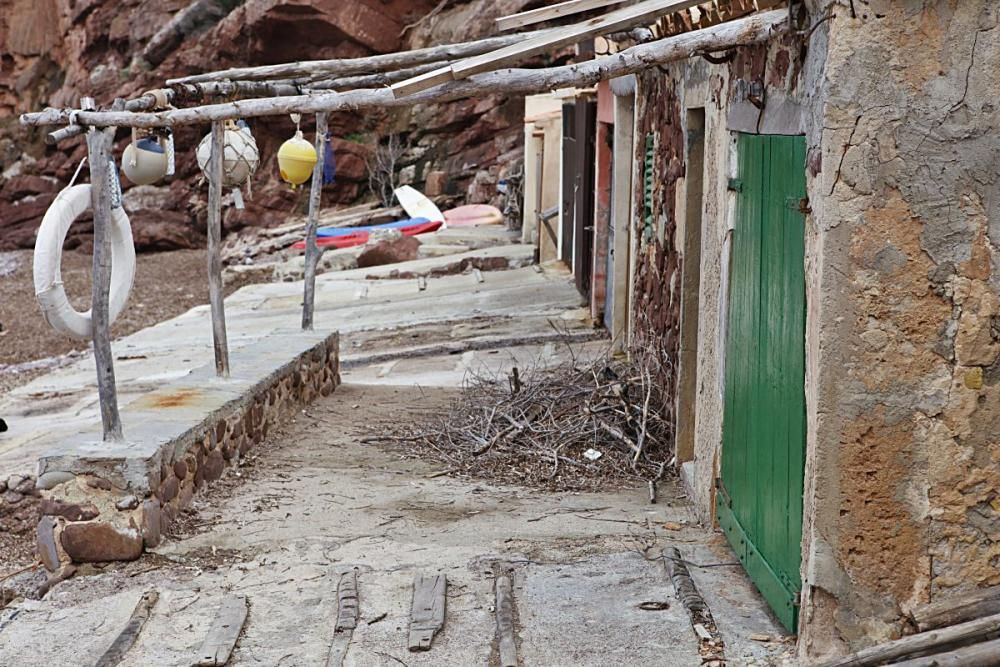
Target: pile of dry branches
(582,425)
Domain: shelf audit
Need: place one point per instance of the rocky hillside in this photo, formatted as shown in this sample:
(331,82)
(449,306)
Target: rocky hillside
(55,51)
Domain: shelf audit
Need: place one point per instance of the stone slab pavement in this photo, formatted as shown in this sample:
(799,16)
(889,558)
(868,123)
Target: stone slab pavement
(318,500)
(64,402)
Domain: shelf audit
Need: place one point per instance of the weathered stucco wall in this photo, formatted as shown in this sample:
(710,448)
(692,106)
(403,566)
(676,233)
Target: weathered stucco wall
(903,474)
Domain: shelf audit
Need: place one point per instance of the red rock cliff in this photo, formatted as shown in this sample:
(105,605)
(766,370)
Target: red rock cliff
(55,51)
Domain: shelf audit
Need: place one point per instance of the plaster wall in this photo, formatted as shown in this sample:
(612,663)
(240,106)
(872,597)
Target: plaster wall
(903,475)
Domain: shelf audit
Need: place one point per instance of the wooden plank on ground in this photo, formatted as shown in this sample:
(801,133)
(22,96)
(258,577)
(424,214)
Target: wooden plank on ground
(347,602)
(505,622)
(221,639)
(621,19)
(983,602)
(971,632)
(348,607)
(126,638)
(986,654)
(428,610)
(560,10)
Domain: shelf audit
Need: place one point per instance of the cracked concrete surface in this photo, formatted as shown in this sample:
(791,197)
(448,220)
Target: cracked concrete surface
(317,501)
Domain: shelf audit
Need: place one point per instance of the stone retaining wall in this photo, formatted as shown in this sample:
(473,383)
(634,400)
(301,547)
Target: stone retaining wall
(96,514)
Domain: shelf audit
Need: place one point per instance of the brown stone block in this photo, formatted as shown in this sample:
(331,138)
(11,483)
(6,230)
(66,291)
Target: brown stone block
(167,516)
(186,494)
(150,523)
(96,542)
(47,544)
(214,466)
(69,511)
(168,490)
(180,469)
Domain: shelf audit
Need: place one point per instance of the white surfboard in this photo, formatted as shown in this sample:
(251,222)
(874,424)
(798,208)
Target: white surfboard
(417,205)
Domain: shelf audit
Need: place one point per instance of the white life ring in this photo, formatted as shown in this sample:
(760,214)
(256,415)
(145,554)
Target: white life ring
(49,291)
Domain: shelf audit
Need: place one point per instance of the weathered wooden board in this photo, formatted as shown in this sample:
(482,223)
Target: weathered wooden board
(218,645)
(428,610)
(505,622)
(126,638)
(621,19)
(986,654)
(347,602)
(550,12)
(972,632)
(348,609)
(983,602)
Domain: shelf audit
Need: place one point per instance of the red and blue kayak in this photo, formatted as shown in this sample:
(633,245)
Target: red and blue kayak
(348,237)
(328,232)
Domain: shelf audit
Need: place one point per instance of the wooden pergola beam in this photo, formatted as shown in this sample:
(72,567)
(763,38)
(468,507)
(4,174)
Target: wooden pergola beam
(560,10)
(310,70)
(620,19)
(749,30)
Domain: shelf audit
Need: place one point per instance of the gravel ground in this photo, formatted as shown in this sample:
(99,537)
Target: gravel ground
(166,285)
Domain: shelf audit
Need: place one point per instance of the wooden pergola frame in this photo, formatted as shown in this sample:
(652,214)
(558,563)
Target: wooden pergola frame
(321,87)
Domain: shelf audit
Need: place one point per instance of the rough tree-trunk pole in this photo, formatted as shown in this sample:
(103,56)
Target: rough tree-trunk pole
(750,30)
(99,143)
(215,293)
(311,69)
(315,200)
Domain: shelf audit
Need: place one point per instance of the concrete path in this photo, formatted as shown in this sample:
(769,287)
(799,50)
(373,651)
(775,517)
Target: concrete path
(64,402)
(317,501)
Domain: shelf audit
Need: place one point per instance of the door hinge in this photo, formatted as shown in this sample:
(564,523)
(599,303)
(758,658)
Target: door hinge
(799,204)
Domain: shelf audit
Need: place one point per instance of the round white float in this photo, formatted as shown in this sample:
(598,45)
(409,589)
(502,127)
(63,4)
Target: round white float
(59,313)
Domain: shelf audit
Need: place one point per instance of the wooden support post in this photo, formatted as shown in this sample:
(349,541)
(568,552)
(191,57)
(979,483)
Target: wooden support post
(315,201)
(99,148)
(216,295)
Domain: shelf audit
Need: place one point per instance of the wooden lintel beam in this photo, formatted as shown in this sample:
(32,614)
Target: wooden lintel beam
(621,19)
(560,10)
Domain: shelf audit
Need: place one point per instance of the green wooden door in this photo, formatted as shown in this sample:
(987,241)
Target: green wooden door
(760,494)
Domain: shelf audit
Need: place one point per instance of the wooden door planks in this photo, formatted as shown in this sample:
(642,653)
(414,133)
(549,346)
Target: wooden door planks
(221,639)
(551,12)
(427,611)
(621,19)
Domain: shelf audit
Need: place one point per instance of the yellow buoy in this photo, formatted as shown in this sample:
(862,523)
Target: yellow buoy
(296,159)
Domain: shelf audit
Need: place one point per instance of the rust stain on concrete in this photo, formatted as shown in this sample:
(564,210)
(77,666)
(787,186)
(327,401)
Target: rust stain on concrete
(175,399)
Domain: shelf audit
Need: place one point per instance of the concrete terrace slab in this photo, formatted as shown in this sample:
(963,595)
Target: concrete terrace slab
(179,411)
(63,404)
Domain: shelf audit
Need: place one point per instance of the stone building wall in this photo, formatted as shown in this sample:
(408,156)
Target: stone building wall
(903,473)
(897,101)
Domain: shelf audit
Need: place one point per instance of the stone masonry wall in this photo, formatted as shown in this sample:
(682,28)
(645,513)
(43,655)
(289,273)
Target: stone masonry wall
(903,478)
(87,518)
